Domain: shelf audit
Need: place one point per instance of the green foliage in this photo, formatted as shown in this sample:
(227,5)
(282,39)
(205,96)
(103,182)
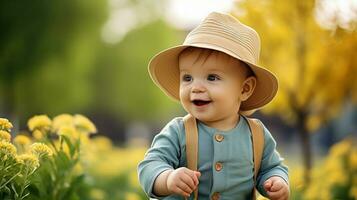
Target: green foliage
(64,182)
(64,163)
(123,73)
(46,169)
(47,42)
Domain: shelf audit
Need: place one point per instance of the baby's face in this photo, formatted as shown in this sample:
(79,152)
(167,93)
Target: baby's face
(211,85)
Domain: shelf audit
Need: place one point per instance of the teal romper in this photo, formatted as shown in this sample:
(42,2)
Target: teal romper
(234,153)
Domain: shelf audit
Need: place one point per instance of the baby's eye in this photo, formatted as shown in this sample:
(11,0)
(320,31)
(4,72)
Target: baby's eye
(187,78)
(213,77)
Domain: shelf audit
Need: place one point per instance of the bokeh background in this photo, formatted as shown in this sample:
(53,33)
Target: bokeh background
(90,57)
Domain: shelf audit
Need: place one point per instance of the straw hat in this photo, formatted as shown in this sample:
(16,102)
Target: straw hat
(223,33)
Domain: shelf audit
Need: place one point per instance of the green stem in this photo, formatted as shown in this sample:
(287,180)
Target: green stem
(25,184)
(9,180)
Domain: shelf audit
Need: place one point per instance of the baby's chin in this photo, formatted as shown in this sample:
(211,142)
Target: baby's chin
(203,117)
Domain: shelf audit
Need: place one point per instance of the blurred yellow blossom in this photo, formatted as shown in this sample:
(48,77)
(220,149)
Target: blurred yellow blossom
(338,165)
(317,191)
(297,178)
(38,135)
(97,194)
(5,136)
(84,124)
(69,131)
(133,179)
(41,149)
(30,161)
(78,169)
(260,197)
(102,143)
(41,122)
(338,177)
(313,122)
(353,159)
(132,196)
(22,140)
(63,147)
(5,124)
(353,192)
(62,120)
(341,148)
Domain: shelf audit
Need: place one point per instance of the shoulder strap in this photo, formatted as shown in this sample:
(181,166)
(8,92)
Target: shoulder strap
(258,146)
(191,144)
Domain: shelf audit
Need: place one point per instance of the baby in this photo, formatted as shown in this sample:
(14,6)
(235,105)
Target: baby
(215,76)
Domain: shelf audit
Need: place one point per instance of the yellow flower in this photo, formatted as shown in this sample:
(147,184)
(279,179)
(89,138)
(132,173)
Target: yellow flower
(6,148)
(353,159)
(19,160)
(340,149)
(353,192)
(131,196)
(102,143)
(97,194)
(133,179)
(338,177)
(296,178)
(69,131)
(30,161)
(38,135)
(84,124)
(40,149)
(260,197)
(22,140)
(41,122)
(5,125)
(5,136)
(78,168)
(62,120)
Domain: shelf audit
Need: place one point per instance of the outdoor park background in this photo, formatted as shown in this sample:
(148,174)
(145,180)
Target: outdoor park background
(90,57)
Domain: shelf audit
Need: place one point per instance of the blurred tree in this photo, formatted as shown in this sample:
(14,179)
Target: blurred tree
(315,67)
(128,90)
(46,53)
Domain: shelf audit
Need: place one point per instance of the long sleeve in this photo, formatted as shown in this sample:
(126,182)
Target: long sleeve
(163,154)
(271,164)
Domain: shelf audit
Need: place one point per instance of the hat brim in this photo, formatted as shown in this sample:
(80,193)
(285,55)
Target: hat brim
(164,71)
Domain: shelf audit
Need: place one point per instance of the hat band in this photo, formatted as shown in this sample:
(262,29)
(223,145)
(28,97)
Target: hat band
(228,46)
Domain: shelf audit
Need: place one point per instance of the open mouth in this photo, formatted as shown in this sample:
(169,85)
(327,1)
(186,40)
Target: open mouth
(200,102)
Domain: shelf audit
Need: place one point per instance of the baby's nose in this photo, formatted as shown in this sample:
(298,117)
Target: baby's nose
(198,87)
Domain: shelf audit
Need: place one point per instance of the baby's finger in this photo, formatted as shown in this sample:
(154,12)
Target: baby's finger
(276,195)
(277,185)
(193,175)
(177,189)
(267,185)
(197,176)
(188,179)
(183,186)
(182,192)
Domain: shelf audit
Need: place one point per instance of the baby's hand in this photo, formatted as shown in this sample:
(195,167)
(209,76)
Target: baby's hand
(182,181)
(277,188)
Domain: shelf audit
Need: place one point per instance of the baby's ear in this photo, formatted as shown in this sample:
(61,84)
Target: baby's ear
(248,87)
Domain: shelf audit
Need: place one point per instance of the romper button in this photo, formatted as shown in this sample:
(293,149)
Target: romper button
(215,196)
(219,137)
(218,166)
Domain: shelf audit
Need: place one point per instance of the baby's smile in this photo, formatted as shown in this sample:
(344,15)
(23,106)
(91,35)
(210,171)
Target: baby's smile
(199,102)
